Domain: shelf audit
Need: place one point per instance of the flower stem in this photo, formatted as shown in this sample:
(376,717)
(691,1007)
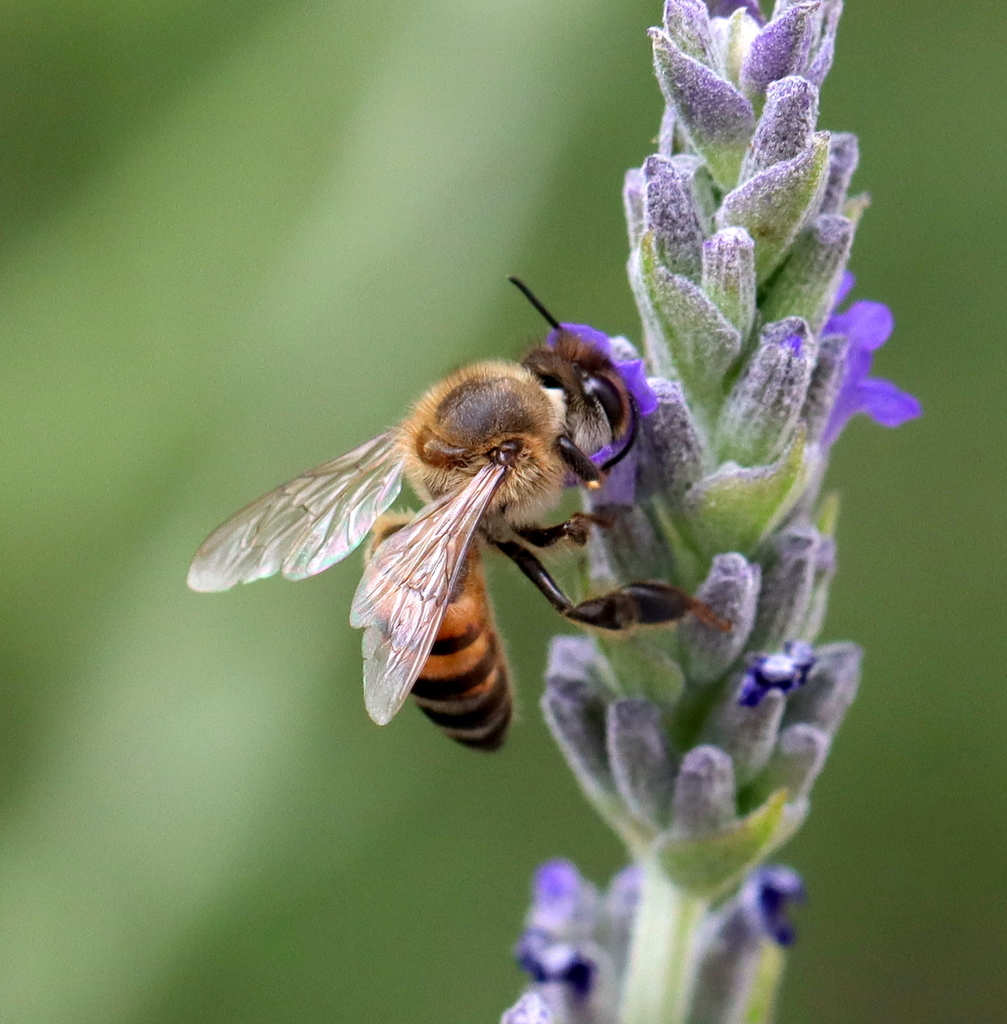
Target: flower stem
(766,984)
(662,956)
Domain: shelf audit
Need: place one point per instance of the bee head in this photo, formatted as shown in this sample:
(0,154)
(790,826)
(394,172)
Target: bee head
(594,399)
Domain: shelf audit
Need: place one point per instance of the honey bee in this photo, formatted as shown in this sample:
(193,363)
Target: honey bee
(489,449)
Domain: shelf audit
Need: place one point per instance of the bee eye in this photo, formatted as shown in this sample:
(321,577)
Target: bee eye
(607,396)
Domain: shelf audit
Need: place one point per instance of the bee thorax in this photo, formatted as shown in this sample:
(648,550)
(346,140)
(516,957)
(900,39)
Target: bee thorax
(491,411)
(482,408)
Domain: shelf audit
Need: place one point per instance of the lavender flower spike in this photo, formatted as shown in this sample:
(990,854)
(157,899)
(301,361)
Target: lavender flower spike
(700,748)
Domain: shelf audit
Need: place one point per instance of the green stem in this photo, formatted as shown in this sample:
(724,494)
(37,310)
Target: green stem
(662,956)
(762,999)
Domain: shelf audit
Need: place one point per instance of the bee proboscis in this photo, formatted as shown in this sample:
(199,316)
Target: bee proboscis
(488,449)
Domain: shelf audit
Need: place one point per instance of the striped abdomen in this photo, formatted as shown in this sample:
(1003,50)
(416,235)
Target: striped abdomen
(464,687)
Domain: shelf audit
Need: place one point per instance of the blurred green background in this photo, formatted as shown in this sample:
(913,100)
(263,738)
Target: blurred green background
(236,238)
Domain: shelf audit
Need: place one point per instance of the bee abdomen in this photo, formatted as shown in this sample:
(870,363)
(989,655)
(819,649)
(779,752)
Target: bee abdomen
(464,687)
(477,719)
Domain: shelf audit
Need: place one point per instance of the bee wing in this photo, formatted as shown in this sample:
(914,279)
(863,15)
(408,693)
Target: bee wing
(307,524)
(407,588)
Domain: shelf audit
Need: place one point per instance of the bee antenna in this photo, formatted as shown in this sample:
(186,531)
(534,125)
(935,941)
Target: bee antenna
(530,296)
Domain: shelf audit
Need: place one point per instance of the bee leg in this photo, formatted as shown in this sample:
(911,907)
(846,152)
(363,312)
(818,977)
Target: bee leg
(575,530)
(644,604)
(578,463)
(636,604)
(537,573)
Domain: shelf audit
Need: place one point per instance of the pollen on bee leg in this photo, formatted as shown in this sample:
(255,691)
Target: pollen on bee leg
(592,485)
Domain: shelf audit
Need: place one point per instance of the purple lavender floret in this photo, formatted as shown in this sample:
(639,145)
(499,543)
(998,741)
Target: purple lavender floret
(560,920)
(575,940)
(619,487)
(547,961)
(766,896)
(783,672)
(866,326)
(557,895)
